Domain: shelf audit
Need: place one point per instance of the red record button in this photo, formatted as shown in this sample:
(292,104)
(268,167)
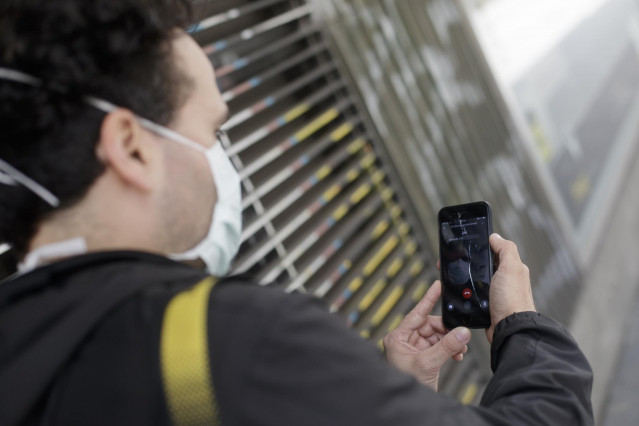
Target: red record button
(467,293)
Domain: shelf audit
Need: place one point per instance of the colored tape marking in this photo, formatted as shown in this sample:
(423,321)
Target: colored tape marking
(468,396)
(356,146)
(332,193)
(394,268)
(370,297)
(416,268)
(340,212)
(387,194)
(411,248)
(352,175)
(396,212)
(386,307)
(368,161)
(380,229)
(396,322)
(323,172)
(361,192)
(419,292)
(581,187)
(388,247)
(355,284)
(296,112)
(317,124)
(378,177)
(343,130)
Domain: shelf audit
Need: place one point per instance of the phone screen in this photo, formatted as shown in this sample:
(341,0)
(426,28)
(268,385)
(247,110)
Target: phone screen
(466,264)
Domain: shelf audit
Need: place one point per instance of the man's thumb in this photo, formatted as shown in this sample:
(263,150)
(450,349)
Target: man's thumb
(452,344)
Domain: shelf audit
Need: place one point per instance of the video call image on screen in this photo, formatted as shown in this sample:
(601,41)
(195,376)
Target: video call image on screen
(465,259)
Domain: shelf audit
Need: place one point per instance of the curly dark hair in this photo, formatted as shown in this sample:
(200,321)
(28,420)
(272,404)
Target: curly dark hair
(118,50)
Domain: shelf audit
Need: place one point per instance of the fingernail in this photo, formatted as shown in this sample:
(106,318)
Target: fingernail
(496,235)
(463,335)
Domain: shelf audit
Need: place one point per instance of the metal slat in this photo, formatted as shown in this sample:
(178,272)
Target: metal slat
(257,30)
(241,116)
(266,52)
(230,14)
(276,70)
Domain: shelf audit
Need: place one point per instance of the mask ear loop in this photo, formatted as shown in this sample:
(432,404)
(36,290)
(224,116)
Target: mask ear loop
(15,175)
(165,132)
(10,175)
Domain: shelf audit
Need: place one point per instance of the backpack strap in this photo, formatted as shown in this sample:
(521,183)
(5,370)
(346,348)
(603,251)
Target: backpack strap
(184,357)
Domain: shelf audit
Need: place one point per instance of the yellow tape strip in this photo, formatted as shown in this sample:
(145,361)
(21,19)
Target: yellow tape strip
(386,307)
(317,124)
(352,175)
(380,229)
(411,248)
(356,146)
(355,284)
(387,194)
(340,212)
(469,394)
(396,322)
(416,268)
(378,177)
(343,130)
(361,192)
(184,356)
(323,172)
(396,212)
(394,268)
(368,161)
(372,294)
(386,249)
(332,192)
(419,292)
(296,112)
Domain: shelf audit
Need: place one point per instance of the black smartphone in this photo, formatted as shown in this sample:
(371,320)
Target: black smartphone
(466,262)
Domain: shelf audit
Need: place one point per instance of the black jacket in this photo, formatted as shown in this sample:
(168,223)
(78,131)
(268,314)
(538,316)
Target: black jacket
(79,345)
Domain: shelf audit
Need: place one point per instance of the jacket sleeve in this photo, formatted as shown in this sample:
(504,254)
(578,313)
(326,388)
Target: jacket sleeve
(307,368)
(540,374)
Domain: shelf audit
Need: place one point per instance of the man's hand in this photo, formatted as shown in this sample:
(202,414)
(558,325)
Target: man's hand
(510,289)
(421,344)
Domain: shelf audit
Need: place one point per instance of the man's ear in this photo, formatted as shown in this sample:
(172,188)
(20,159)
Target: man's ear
(125,147)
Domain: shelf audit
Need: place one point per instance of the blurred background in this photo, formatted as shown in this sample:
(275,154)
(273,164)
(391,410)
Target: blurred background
(354,121)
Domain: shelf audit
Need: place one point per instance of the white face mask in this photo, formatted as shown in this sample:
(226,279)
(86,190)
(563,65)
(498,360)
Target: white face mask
(223,239)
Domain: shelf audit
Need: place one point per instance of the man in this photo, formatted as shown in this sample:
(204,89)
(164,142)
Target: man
(111,173)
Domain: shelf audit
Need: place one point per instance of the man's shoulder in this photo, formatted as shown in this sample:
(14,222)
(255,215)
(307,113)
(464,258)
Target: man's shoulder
(239,295)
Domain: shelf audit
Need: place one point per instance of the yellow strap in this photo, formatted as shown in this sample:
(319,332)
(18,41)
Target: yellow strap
(185,357)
